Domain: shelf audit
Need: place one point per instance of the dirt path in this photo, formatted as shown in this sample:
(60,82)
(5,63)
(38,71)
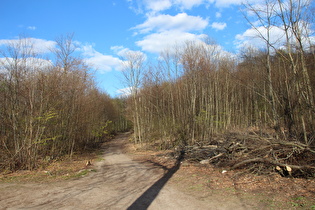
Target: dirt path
(119,183)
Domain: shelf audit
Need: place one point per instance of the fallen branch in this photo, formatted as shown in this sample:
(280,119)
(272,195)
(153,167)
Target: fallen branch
(298,145)
(262,160)
(214,157)
(207,161)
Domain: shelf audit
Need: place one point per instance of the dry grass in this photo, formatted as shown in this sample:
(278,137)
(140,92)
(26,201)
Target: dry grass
(64,168)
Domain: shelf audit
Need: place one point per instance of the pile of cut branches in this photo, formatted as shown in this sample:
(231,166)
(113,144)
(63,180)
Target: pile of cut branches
(257,154)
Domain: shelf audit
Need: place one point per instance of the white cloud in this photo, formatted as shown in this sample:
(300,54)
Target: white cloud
(40,46)
(31,28)
(122,52)
(167,31)
(157,42)
(187,4)
(117,49)
(255,37)
(30,63)
(218,26)
(99,61)
(104,63)
(258,34)
(274,7)
(124,92)
(181,22)
(157,5)
(218,15)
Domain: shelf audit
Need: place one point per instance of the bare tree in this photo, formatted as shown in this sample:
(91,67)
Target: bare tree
(265,14)
(133,67)
(64,51)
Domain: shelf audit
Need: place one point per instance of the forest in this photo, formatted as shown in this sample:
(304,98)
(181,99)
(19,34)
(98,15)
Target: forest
(51,109)
(257,107)
(193,94)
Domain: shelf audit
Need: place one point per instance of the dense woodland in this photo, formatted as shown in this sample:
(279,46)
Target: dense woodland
(50,108)
(196,91)
(211,94)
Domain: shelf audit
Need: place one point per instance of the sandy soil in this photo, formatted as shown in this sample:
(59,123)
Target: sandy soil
(118,183)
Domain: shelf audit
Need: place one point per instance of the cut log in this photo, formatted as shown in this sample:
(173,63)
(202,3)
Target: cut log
(88,163)
(289,170)
(279,170)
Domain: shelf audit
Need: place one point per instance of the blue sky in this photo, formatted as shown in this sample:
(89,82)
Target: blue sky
(104,29)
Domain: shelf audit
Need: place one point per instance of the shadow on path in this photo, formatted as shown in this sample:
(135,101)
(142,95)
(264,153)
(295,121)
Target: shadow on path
(145,200)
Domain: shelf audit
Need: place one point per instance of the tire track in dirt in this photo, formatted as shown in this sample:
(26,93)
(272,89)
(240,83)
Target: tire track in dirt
(119,183)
